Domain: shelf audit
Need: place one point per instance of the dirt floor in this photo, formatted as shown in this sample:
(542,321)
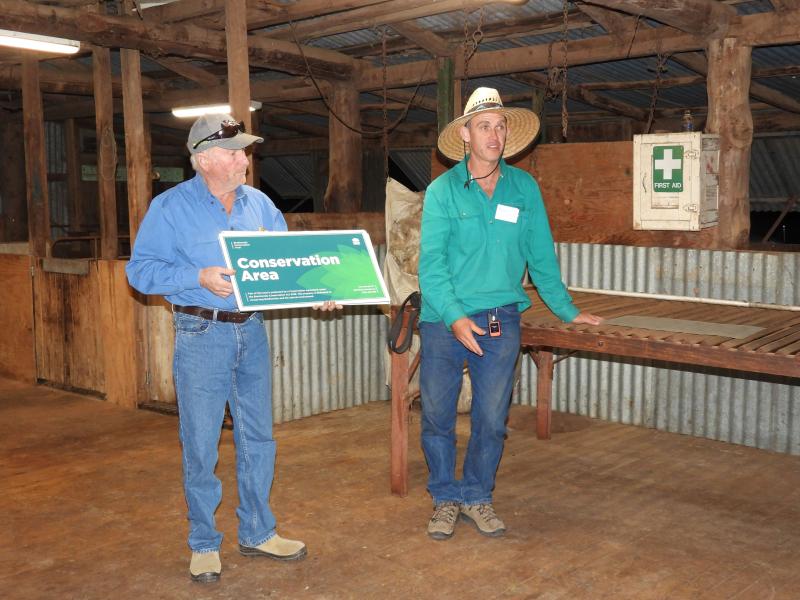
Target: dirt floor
(92,507)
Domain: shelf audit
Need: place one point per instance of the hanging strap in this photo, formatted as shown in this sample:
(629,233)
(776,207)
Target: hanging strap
(414,300)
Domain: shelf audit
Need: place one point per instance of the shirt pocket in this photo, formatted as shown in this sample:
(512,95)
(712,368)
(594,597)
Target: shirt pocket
(470,223)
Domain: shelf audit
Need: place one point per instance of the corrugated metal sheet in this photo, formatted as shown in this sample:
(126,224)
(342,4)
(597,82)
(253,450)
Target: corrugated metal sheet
(774,176)
(325,363)
(416,164)
(753,410)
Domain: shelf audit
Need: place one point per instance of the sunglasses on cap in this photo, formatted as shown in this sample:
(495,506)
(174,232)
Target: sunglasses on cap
(228,129)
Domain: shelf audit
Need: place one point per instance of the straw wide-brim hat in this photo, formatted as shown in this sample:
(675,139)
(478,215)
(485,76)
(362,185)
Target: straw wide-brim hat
(522,125)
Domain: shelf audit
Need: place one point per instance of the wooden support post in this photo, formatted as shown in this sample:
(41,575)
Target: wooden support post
(35,161)
(13,191)
(729,65)
(72,143)
(544,392)
(137,147)
(344,155)
(140,189)
(444,91)
(238,67)
(106,152)
(399,435)
(255,119)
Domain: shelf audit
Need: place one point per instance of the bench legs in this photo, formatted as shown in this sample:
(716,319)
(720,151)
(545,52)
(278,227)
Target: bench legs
(543,357)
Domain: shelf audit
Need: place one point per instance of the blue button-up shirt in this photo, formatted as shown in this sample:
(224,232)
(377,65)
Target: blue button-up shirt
(178,237)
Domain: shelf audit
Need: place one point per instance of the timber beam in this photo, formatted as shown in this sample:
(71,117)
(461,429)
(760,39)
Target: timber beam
(708,18)
(157,39)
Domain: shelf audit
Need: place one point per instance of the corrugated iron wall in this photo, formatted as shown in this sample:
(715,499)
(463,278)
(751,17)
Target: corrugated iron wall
(325,362)
(760,411)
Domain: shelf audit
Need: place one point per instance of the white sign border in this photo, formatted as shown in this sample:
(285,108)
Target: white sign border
(223,235)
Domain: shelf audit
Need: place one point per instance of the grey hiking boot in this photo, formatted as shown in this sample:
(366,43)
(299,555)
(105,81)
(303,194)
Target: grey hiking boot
(443,521)
(484,518)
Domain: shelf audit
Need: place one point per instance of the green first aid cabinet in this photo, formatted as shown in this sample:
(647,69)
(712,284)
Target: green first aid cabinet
(675,181)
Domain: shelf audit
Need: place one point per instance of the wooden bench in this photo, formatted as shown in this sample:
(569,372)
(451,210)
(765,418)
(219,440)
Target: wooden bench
(774,349)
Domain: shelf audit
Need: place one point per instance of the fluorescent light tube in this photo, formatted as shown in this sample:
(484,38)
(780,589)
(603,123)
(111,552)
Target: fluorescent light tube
(43,43)
(209,109)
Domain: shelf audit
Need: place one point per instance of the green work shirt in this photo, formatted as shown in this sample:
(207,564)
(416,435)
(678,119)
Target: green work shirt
(473,255)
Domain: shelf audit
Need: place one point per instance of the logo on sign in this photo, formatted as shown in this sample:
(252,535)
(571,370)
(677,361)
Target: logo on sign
(668,169)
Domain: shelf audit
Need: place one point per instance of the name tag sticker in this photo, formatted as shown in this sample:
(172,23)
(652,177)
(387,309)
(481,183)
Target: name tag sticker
(507,213)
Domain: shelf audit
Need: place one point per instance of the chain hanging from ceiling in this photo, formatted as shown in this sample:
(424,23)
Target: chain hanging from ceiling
(661,60)
(471,43)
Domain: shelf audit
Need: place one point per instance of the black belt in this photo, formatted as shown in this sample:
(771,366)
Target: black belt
(213,315)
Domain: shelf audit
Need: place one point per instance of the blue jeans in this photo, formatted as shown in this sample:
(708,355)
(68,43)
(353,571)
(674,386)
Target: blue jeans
(492,376)
(216,364)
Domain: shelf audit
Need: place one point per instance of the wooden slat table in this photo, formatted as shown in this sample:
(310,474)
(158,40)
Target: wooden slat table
(774,350)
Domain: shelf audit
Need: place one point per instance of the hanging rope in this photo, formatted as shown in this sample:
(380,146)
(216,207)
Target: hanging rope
(633,36)
(375,133)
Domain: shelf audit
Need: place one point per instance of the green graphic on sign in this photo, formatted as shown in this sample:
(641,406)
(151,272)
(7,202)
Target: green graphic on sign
(288,269)
(668,169)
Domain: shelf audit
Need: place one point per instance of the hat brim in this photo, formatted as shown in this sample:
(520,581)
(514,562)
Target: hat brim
(237,142)
(522,125)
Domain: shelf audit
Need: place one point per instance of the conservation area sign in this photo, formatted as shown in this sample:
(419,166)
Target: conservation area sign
(302,268)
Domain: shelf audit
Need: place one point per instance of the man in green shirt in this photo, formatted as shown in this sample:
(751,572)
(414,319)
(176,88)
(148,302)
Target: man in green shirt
(483,223)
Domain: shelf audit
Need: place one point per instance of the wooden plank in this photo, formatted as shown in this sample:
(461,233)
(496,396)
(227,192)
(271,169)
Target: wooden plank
(121,366)
(373,222)
(703,17)
(17,357)
(69,349)
(35,162)
(160,39)
(399,421)
(588,192)
(106,153)
(343,194)
(14,216)
(665,351)
(238,66)
(72,151)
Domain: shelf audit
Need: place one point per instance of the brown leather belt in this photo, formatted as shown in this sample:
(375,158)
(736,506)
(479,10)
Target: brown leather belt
(208,313)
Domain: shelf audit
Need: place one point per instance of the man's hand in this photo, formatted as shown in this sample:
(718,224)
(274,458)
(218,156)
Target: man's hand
(463,329)
(585,318)
(212,279)
(328,305)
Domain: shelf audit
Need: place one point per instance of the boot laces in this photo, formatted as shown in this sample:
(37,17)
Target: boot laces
(487,512)
(445,513)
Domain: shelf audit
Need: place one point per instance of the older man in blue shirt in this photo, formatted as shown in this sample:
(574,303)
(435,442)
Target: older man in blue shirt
(221,355)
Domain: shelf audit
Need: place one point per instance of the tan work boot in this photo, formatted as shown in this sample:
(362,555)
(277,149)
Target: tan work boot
(205,567)
(276,547)
(484,519)
(443,521)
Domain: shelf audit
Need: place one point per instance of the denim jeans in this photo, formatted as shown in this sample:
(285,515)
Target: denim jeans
(492,376)
(216,364)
